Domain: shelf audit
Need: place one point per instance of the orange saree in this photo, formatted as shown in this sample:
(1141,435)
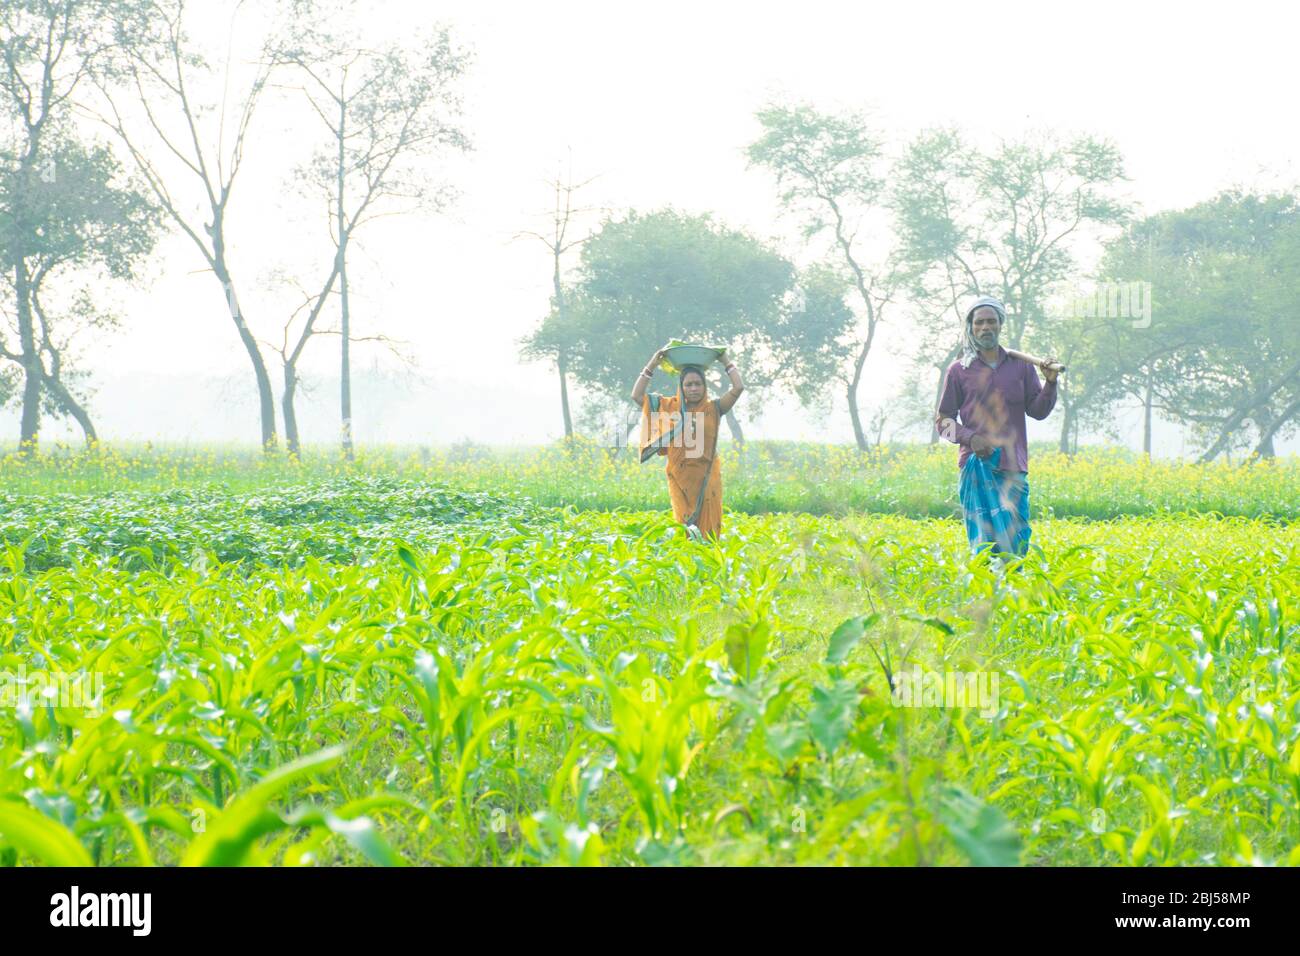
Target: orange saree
(690,442)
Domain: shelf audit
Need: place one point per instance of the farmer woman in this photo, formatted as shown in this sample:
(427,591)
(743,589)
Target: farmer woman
(684,427)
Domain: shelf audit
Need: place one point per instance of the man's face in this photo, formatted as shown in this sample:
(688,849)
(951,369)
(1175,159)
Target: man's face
(984,327)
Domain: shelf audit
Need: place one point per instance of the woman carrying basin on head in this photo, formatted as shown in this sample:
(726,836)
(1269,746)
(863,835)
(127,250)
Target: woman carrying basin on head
(684,427)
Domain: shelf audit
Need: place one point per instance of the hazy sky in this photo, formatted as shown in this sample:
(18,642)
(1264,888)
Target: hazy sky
(658,102)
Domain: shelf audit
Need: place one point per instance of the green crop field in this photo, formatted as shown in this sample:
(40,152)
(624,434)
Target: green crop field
(466,656)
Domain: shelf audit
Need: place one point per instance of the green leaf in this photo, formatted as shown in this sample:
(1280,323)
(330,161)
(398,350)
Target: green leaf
(407,557)
(831,717)
(785,740)
(745,646)
(37,835)
(1142,845)
(360,832)
(937,623)
(229,838)
(847,636)
(980,830)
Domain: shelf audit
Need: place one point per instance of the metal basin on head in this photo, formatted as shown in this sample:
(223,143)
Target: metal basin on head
(679,356)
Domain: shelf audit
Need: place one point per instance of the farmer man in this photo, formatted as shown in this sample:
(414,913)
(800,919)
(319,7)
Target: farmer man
(986,396)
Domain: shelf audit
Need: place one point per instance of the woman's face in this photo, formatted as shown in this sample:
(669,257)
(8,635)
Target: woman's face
(693,386)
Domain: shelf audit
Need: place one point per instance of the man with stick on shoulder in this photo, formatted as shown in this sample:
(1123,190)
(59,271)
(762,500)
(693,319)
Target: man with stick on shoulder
(986,395)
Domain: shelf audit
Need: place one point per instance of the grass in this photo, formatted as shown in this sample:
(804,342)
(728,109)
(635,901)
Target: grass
(446,661)
(764,478)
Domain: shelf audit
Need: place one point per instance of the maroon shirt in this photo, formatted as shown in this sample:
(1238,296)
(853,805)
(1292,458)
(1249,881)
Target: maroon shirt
(993,402)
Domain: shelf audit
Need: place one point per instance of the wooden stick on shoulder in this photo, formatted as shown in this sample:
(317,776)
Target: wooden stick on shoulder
(1034,360)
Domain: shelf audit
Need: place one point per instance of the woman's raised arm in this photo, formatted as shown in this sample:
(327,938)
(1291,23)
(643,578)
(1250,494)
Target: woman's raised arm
(643,380)
(737,386)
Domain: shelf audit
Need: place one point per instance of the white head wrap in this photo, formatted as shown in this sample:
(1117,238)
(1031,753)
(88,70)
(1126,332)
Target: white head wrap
(969,347)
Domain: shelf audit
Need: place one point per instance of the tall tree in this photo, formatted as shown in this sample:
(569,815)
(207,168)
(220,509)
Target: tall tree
(813,335)
(83,229)
(50,49)
(294,336)
(1002,220)
(645,279)
(548,340)
(1226,292)
(385,112)
(830,172)
(190,151)
(1109,360)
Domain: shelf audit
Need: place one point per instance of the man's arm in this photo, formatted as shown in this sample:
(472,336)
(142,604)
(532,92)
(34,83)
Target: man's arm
(945,419)
(1039,399)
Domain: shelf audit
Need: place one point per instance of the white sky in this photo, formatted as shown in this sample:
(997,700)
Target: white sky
(658,100)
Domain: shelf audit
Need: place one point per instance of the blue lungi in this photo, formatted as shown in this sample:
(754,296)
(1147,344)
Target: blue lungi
(995,505)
